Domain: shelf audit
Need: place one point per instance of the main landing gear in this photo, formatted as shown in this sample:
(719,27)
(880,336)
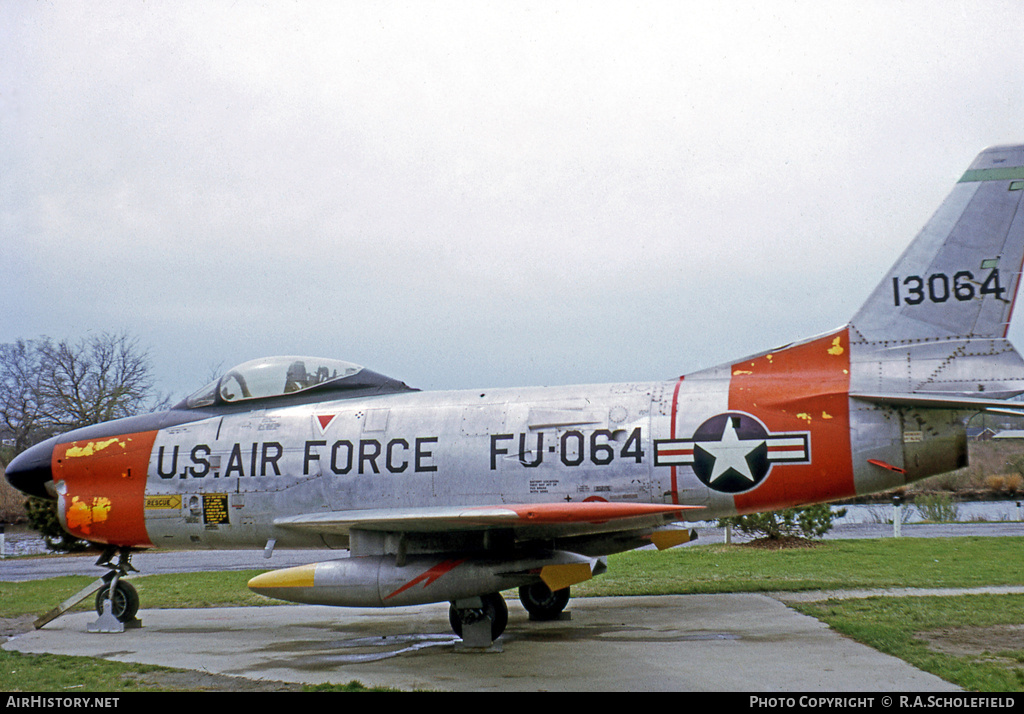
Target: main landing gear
(479,621)
(542,603)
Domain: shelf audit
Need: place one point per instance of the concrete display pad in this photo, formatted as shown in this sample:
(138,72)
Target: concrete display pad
(742,642)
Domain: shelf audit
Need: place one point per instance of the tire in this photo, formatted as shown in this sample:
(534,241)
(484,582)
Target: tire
(494,609)
(125,604)
(541,602)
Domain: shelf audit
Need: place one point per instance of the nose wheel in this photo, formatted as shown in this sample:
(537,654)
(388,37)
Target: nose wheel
(124,603)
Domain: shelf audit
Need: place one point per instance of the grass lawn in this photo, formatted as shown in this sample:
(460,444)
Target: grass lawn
(974,641)
(833,564)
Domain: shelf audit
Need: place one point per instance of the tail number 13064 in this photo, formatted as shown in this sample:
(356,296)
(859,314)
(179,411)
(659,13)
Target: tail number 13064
(940,287)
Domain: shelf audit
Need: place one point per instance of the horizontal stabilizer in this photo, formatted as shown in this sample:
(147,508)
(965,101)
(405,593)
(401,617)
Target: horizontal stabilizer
(943,401)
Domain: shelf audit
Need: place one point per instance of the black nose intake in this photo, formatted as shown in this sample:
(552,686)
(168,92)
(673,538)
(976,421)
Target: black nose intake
(30,472)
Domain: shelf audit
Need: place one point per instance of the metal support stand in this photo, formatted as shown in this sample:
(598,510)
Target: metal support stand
(476,630)
(476,636)
(108,622)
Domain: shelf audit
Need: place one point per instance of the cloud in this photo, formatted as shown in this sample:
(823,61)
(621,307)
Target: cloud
(467,194)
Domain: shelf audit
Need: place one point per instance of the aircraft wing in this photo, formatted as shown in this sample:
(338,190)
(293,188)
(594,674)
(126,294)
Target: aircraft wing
(540,520)
(937,400)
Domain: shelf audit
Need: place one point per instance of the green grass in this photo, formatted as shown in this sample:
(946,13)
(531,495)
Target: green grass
(992,660)
(211,589)
(890,624)
(71,675)
(75,675)
(834,564)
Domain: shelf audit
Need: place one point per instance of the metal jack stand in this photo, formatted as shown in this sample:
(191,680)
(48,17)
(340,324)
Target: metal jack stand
(476,628)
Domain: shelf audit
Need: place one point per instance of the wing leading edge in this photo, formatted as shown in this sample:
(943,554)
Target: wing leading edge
(535,519)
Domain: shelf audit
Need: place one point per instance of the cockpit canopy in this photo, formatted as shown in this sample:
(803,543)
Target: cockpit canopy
(273,377)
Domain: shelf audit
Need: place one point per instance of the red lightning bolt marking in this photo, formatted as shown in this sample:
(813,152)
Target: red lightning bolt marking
(428,577)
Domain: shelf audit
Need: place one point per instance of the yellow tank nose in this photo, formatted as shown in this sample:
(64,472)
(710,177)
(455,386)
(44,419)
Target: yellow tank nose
(301,576)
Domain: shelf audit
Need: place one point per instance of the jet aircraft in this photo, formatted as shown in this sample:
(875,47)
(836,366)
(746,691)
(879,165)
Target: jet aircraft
(458,495)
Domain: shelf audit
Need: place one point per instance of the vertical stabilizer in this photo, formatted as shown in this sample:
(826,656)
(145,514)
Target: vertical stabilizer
(959,277)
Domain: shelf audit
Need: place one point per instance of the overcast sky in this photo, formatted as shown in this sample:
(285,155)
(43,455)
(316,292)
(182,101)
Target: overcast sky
(480,194)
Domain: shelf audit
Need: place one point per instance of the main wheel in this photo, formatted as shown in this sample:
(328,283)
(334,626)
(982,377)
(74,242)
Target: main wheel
(125,603)
(494,609)
(541,602)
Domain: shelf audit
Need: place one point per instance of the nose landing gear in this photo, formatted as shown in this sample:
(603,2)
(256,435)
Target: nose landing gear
(117,601)
(123,599)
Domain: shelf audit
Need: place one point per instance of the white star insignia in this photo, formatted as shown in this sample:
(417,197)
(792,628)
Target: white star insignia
(731,453)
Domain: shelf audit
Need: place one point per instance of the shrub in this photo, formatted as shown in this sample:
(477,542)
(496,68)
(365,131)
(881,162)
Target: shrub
(937,507)
(42,515)
(808,522)
(1014,483)
(996,482)
(12,503)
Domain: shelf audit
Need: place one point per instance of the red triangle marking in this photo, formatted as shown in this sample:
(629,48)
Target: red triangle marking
(325,420)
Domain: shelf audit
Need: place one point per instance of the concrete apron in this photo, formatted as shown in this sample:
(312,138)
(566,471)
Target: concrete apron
(742,642)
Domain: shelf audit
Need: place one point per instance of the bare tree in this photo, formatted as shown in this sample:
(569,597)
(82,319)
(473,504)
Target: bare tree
(20,408)
(50,387)
(103,377)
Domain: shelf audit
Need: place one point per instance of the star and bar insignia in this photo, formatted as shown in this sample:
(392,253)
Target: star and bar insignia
(733,452)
